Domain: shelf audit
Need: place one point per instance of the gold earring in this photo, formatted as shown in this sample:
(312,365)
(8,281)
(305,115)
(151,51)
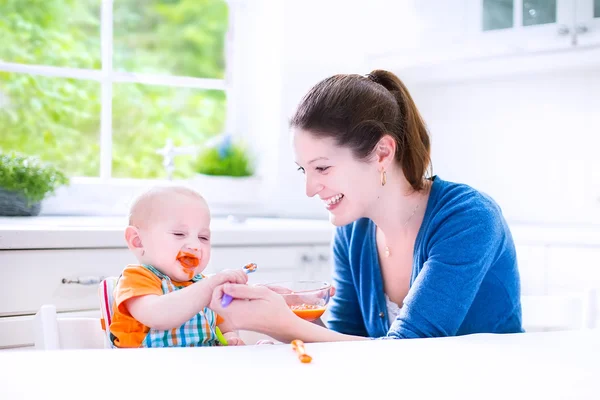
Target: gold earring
(383,178)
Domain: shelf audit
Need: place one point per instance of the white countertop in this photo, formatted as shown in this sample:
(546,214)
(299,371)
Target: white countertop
(107,232)
(559,365)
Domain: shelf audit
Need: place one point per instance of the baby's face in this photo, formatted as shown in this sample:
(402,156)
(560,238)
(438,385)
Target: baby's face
(178,233)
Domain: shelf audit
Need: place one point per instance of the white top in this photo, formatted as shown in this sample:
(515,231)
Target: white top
(558,365)
(393,310)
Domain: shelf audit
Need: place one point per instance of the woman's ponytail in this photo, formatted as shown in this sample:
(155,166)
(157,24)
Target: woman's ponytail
(414,144)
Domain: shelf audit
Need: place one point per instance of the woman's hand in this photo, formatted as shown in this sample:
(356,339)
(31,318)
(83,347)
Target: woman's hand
(233,339)
(228,275)
(260,309)
(255,308)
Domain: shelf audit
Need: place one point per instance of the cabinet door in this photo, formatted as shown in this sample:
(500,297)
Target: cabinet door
(587,22)
(320,266)
(532,269)
(275,263)
(67,278)
(509,26)
(573,269)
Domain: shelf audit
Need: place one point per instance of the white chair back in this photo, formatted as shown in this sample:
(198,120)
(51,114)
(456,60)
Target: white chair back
(52,332)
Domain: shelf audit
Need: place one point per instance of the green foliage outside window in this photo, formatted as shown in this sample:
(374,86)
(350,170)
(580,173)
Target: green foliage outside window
(225,158)
(58,119)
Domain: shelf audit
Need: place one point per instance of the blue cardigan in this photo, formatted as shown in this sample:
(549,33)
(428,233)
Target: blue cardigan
(464,279)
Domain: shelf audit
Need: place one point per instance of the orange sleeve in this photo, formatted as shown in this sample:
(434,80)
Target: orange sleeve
(136,281)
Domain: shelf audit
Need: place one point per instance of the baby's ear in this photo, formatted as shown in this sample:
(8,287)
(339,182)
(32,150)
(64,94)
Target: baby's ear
(134,242)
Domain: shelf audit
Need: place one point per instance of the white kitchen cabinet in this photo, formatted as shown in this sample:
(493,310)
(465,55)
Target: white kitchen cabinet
(573,268)
(33,278)
(280,263)
(469,39)
(587,22)
(510,26)
(531,25)
(532,271)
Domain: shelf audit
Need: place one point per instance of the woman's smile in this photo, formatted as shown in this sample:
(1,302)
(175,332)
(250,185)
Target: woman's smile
(333,202)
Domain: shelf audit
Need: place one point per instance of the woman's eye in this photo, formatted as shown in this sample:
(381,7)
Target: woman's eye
(205,238)
(178,234)
(322,169)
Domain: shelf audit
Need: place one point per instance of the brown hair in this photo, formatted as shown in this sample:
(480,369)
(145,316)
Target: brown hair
(357,111)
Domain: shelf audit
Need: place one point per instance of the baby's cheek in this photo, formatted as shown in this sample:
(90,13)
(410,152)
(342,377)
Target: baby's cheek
(204,262)
(205,256)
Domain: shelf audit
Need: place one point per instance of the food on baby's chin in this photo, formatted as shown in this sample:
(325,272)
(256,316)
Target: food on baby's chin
(308,312)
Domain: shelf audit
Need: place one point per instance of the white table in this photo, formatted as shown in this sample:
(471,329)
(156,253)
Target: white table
(560,365)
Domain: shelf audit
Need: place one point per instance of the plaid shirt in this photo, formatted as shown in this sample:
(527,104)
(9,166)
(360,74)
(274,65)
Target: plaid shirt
(198,331)
(125,331)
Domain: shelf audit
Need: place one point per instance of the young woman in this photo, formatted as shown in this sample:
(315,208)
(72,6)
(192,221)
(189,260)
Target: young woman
(415,256)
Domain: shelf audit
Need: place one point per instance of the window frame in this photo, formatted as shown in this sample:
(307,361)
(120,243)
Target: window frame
(68,200)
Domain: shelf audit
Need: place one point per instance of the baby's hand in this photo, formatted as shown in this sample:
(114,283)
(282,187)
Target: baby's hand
(233,339)
(228,276)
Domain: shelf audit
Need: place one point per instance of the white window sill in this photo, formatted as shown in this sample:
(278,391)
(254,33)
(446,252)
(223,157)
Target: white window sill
(112,197)
(46,232)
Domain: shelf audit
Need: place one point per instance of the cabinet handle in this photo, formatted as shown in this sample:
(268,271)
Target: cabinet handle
(580,28)
(563,30)
(323,258)
(84,280)
(307,259)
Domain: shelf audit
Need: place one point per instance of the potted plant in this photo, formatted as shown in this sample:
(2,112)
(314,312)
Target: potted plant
(225,173)
(24,182)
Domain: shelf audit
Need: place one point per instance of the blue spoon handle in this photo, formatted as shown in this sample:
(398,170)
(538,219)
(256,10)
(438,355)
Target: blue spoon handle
(227,299)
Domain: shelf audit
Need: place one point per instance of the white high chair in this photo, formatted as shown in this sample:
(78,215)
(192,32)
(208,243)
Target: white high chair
(106,295)
(52,332)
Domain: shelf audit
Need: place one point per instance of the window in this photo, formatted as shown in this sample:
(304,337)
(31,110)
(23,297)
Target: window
(99,86)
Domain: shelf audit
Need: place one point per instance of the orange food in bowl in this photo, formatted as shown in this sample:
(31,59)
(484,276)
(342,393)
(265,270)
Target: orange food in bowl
(308,312)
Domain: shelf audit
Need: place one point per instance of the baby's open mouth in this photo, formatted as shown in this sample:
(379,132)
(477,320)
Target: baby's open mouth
(187,260)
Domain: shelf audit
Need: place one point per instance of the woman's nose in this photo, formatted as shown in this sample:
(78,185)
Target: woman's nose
(312,187)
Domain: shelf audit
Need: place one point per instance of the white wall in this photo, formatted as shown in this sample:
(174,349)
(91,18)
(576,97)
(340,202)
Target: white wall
(530,141)
(319,39)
